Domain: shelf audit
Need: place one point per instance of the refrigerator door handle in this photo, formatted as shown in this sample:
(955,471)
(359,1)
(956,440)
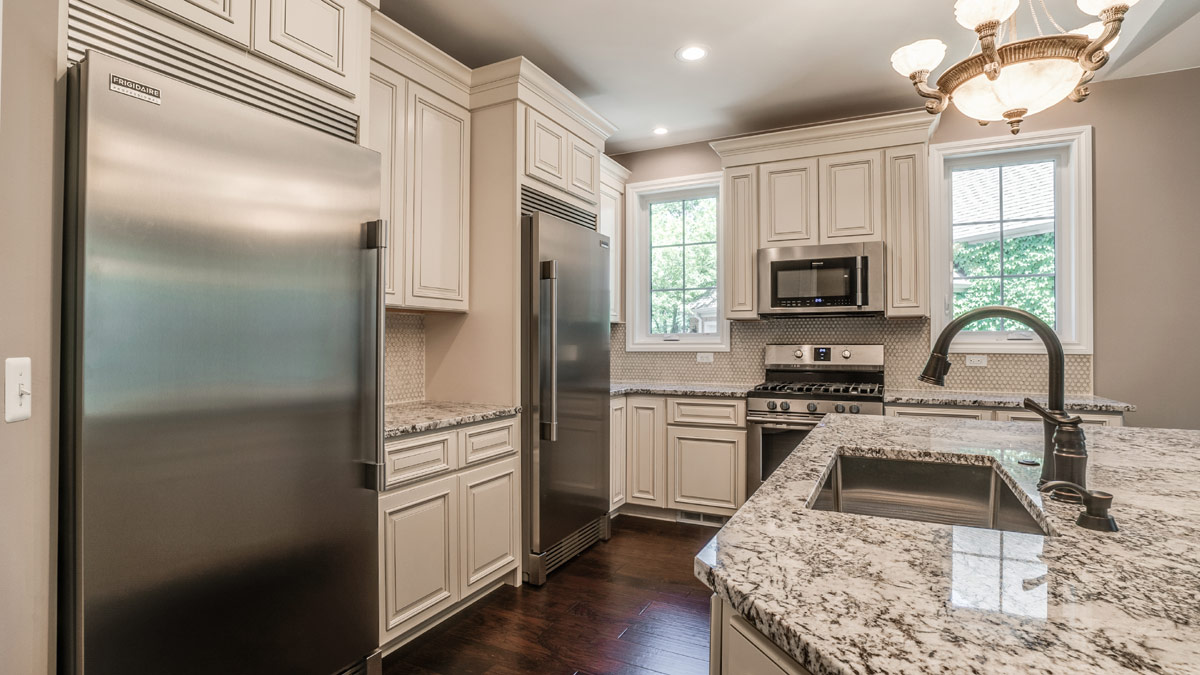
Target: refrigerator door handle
(549,389)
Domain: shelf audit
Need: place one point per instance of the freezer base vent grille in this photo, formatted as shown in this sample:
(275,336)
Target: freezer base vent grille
(694,518)
(541,565)
(532,200)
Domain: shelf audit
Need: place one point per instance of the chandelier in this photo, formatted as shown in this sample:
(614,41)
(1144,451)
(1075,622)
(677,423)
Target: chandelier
(1011,81)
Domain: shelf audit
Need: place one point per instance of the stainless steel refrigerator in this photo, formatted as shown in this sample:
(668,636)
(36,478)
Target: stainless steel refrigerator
(220,394)
(565,390)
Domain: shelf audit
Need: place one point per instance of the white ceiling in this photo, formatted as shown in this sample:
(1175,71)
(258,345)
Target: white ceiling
(772,63)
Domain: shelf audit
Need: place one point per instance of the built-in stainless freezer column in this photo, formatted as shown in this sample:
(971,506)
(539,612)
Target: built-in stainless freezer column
(565,390)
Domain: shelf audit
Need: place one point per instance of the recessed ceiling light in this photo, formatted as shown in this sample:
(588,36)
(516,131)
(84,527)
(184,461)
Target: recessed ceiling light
(659,131)
(691,53)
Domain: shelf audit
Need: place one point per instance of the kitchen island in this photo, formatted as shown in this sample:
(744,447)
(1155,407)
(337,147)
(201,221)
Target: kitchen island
(845,593)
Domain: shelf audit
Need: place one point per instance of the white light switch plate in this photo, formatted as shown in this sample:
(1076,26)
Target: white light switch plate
(704,357)
(17,379)
(976,359)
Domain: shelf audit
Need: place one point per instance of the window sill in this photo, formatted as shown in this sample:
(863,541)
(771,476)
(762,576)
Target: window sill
(1034,346)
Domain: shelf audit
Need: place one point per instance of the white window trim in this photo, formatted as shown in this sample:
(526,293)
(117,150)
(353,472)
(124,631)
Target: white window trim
(1074,258)
(637,268)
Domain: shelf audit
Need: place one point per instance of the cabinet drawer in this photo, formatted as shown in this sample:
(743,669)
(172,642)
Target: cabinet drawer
(1095,419)
(487,441)
(706,412)
(409,459)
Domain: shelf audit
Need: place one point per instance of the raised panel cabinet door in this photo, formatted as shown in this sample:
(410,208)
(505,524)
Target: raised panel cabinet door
(788,202)
(491,526)
(851,202)
(229,19)
(610,225)
(583,166)
(546,148)
(321,39)
(907,231)
(707,469)
(437,231)
(419,554)
(646,452)
(386,135)
(739,239)
(616,471)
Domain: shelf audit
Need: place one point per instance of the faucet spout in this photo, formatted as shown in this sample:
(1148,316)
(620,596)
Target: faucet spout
(938,364)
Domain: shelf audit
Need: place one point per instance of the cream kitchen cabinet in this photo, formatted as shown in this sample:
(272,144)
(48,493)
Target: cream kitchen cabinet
(425,141)
(618,425)
(583,169)
(320,39)
(419,554)
(1094,419)
(737,648)
(1113,419)
(851,197)
(941,413)
(647,451)
(490,531)
(907,231)
(229,19)
(739,236)
(788,198)
(547,149)
(707,469)
(612,223)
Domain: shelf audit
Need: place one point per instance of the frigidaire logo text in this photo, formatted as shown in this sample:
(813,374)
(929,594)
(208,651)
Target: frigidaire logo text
(135,89)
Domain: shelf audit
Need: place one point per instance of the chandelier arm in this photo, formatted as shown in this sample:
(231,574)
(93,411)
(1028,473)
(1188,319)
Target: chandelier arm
(938,100)
(1095,56)
(1081,91)
(987,46)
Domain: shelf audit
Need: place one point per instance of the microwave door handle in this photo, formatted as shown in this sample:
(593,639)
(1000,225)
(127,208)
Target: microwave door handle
(858,284)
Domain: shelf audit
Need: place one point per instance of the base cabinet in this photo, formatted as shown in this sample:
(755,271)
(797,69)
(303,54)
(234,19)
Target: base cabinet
(1107,419)
(647,457)
(707,469)
(739,649)
(616,466)
(491,537)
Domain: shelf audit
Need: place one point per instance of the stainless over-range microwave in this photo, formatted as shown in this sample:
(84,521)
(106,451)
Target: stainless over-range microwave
(822,279)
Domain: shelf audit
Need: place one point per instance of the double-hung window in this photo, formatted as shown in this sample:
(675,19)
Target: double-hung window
(1011,225)
(673,280)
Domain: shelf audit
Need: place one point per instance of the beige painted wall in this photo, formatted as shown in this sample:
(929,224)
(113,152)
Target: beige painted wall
(30,216)
(1147,231)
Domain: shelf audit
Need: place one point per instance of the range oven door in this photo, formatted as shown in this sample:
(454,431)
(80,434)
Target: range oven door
(770,442)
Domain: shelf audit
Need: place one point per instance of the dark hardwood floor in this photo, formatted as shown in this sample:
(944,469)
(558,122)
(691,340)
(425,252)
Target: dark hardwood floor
(630,605)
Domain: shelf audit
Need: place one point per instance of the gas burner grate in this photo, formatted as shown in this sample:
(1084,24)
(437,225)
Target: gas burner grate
(860,389)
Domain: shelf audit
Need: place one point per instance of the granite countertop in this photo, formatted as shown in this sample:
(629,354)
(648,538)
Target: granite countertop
(417,416)
(987,399)
(680,389)
(845,593)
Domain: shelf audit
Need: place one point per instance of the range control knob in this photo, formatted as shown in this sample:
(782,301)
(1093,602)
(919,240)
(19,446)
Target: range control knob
(799,353)
(812,407)
(854,410)
(846,353)
(839,408)
(770,405)
(785,406)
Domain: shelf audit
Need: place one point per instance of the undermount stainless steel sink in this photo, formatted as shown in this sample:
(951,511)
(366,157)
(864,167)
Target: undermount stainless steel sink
(933,492)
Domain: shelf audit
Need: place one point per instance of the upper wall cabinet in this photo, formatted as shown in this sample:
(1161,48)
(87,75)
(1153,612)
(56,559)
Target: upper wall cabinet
(739,238)
(318,38)
(907,232)
(227,18)
(583,163)
(788,202)
(612,223)
(424,141)
(851,202)
(547,146)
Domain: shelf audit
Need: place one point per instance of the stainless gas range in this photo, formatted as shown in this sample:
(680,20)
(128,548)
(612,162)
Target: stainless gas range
(804,383)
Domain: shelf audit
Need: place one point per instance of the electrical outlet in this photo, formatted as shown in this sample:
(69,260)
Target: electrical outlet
(978,360)
(704,357)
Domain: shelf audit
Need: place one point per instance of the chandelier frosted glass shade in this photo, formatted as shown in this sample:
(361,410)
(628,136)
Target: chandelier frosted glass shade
(973,13)
(920,55)
(1095,7)
(1022,89)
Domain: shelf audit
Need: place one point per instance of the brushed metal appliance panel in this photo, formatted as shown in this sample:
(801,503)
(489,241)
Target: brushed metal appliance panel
(568,478)
(223,394)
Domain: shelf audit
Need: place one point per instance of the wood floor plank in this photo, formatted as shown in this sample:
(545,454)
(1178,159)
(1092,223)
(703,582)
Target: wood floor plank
(629,606)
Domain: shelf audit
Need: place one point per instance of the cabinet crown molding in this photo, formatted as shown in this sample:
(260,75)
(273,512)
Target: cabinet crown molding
(518,78)
(868,133)
(403,43)
(613,174)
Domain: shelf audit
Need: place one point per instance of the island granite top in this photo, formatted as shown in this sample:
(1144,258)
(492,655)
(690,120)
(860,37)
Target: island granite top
(991,399)
(845,593)
(416,416)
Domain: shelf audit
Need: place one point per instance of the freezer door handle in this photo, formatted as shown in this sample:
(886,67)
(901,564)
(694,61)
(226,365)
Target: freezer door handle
(549,388)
